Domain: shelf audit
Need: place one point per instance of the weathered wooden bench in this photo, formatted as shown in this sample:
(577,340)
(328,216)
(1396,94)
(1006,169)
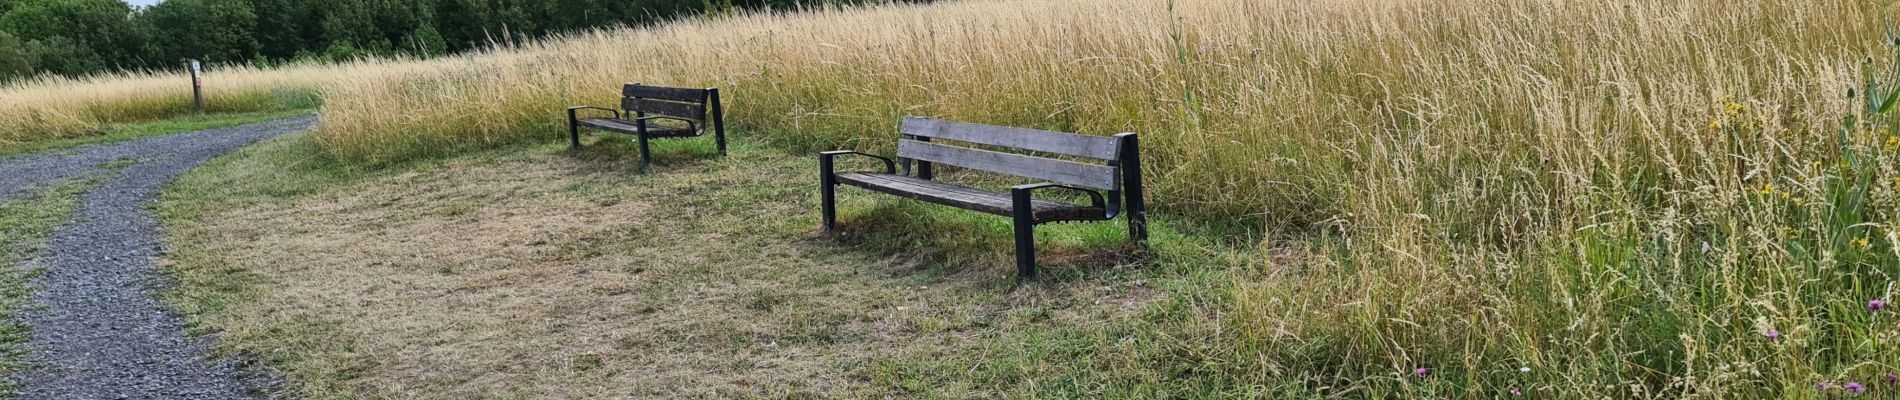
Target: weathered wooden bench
(641,105)
(1118,173)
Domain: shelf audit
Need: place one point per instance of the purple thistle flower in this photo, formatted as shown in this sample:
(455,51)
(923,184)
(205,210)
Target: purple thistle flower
(1855,388)
(1421,371)
(1876,305)
(1772,334)
(1891,378)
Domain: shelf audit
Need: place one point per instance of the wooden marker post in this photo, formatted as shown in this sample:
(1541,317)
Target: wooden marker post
(197,88)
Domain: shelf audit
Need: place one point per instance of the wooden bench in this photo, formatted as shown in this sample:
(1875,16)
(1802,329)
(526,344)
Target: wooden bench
(1113,183)
(640,105)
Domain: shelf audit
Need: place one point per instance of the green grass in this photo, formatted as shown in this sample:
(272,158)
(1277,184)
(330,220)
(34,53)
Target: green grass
(129,131)
(26,222)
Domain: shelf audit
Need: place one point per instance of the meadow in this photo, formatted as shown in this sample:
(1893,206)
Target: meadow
(39,110)
(1462,198)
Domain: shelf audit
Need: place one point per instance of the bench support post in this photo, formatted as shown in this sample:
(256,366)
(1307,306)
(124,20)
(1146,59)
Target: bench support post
(827,192)
(1133,205)
(925,169)
(573,130)
(718,120)
(1024,216)
(646,152)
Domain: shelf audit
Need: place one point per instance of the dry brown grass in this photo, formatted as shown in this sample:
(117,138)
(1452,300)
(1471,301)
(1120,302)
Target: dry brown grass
(1287,110)
(553,277)
(52,107)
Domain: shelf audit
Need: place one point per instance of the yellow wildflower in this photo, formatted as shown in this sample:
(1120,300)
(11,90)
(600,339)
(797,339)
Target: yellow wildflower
(1861,243)
(1767,189)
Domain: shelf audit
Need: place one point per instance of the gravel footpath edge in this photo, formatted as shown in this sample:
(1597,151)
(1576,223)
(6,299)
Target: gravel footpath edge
(97,329)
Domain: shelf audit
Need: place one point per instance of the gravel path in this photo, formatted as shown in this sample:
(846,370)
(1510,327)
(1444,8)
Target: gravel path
(99,333)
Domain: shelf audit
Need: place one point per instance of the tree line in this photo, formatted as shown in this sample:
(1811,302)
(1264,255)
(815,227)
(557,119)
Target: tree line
(79,37)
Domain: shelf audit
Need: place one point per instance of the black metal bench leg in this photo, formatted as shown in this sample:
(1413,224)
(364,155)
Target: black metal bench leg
(830,207)
(720,135)
(828,193)
(1135,205)
(719,120)
(573,131)
(1138,227)
(1025,224)
(646,154)
(1137,217)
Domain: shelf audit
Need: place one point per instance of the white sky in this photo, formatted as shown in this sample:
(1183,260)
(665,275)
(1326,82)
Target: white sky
(143,2)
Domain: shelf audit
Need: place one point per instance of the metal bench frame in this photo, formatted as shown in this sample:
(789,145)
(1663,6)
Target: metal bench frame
(697,108)
(1114,188)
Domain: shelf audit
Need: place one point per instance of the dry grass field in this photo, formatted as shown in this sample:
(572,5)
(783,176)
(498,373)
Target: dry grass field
(1623,197)
(1453,198)
(51,108)
(524,273)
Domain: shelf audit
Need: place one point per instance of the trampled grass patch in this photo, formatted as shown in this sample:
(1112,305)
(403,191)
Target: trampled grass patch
(534,272)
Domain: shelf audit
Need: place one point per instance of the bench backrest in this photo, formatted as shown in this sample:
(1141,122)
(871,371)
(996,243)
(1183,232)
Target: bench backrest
(917,145)
(668,101)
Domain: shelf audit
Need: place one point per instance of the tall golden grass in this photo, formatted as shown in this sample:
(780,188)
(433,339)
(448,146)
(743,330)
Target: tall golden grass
(53,107)
(1473,187)
(1627,198)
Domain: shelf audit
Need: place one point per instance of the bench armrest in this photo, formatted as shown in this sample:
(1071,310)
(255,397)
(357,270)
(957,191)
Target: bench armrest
(890,166)
(690,124)
(1096,196)
(572,110)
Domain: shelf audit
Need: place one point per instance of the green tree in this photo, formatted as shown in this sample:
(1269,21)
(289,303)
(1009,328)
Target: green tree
(73,37)
(284,28)
(64,56)
(426,42)
(209,30)
(85,35)
(16,59)
(461,23)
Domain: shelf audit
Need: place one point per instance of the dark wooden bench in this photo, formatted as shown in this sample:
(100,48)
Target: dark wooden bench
(1113,184)
(690,112)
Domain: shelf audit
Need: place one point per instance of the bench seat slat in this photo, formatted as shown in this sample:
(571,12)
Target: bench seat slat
(1064,143)
(624,126)
(964,197)
(665,93)
(666,108)
(1048,169)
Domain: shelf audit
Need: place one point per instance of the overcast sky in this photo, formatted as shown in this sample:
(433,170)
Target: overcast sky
(143,2)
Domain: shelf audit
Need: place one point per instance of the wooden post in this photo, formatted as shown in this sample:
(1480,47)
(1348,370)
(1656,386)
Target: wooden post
(197,88)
